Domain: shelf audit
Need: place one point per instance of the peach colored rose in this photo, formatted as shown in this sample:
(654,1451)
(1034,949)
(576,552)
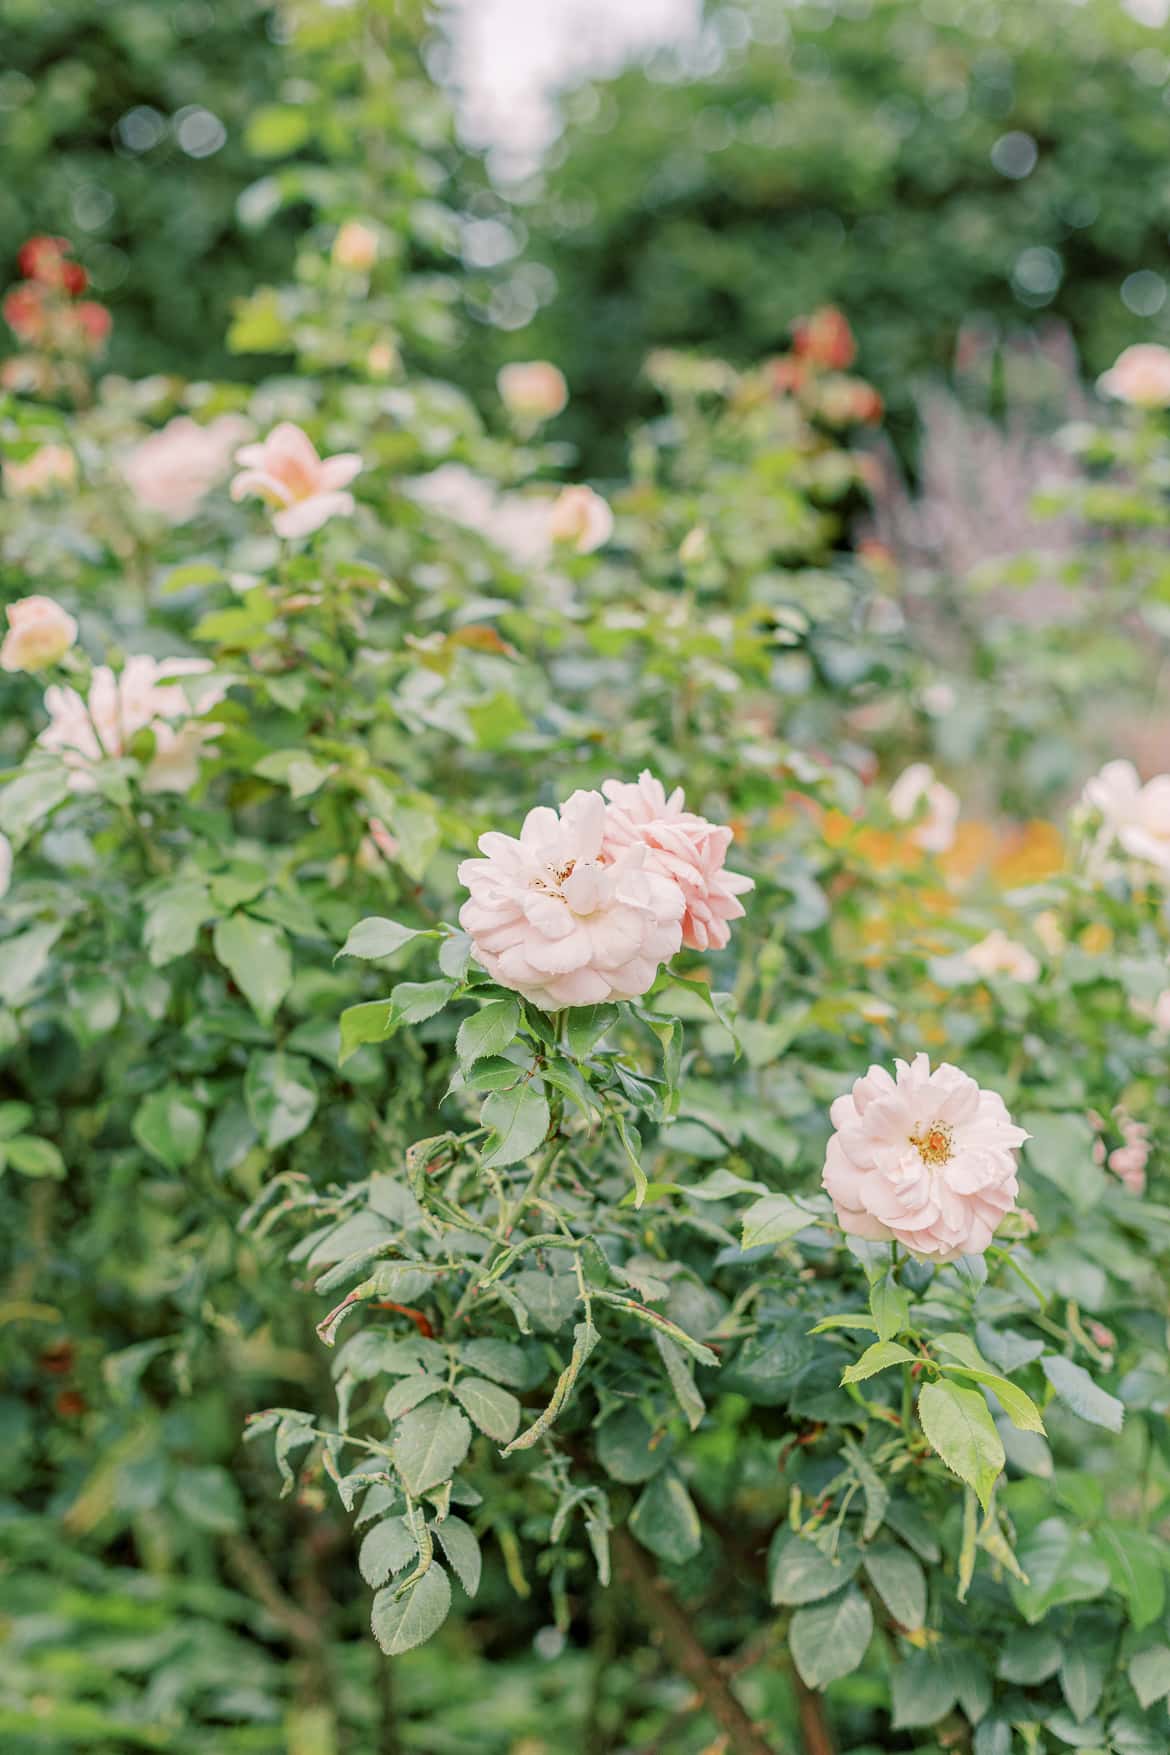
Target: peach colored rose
(5,864)
(552,918)
(582,518)
(39,634)
(681,846)
(997,954)
(1140,375)
(926,1159)
(532,389)
(1134,817)
(286,472)
(144,696)
(916,793)
(825,338)
(49,467)
(356,246)
(172,470)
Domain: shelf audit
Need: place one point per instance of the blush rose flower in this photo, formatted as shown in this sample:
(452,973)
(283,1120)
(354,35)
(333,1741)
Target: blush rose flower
(356,246)
(49,467)
(916,791)
(1140,375)
(532,389)
(581,518)
(286,473)
(825,339)
(680,846)
(144,696)
(39,634)
(997,954)
(1134,817)
(551,917)
(172,470)
(5,864)
(925,1159)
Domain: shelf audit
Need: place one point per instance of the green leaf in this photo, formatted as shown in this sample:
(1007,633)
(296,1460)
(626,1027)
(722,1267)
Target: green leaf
(961,1432)
(32,1157)
(877,1358)
(1149,1674)
(461,1546)
(1083,1667)
(1019,1407)
(14,1118)
(281,1096)
(256,956)
(519,1122)
(488,1031)
(1077,1391)
(372,1021)
(1030,1657)
(494,1410)
(374,937)
(402,1622)
(1061,1566)
(899,1581)
(209,1498)
(924,1690)
(174,916)
(387,1548)
(1061,1149)
(416,1387)
(277,130)
(24,959)
(665,1520)
(889,1304)
(773,1219)
(501,1360)
(429,1444)
(845,1319)
(585,1027)
(416,1001)
(169,1126)
(628,1448)
(1136,1569)
(799,1572)
(682,1379)
(829,1640)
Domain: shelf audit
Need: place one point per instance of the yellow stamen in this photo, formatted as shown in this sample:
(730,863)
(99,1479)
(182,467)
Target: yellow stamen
(933,1144)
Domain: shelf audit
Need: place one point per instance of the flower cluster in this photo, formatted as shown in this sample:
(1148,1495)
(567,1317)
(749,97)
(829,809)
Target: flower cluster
(590,901)
(823,346)
(45,310)
(145,696)
(925,1159)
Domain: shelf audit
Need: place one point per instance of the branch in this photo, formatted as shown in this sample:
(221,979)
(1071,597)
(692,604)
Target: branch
(257,1577)
(662,1612)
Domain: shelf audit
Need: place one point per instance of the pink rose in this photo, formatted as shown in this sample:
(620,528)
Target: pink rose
(997,954)
(286,472)
(356,246)
(1134,816)
(143,697)
(532,389)
(172,470)
(681,846)
(1140,375)
(553,918)
(926,1159)
(582,518)
(52,466)
(39,634)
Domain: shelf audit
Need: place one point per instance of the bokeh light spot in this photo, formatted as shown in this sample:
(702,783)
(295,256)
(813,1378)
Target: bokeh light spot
(1014,155)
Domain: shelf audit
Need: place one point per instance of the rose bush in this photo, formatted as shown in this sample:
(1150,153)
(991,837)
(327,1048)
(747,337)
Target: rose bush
(477,1177)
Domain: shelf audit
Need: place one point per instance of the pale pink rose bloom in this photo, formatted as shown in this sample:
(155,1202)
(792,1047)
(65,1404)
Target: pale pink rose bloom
(582,518)
(1135,817)
(378,846)
(39,634)
(532,389)
(173,470)
(997,954)
(356,246)
(552,918)
(1140,375)
(5,864)
(916,792)
(286,472)
(143,696)
(1129,1161)
(683,847)
(49,467)
(925,1159)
